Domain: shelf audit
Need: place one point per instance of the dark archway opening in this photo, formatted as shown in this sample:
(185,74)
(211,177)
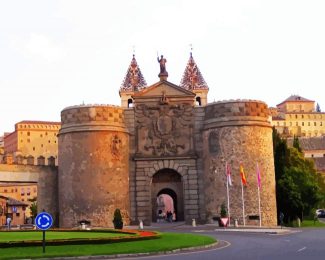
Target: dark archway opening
(168,197)
(167,188)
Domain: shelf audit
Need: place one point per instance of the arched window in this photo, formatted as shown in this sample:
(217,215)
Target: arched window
(130,102)
(198,101)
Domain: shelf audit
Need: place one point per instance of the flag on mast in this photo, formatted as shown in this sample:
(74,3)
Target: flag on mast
(228,171)
(242,174)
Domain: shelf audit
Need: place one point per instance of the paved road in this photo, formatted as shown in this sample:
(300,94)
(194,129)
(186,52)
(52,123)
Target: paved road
(307,244)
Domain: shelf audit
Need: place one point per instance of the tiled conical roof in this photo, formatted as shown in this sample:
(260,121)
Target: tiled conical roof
(134,80)
(192,77)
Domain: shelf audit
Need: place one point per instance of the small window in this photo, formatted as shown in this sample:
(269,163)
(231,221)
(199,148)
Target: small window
(42,145)
(41,135)
(49,141)
(308,123)
(312,156)
(302,123)
(198,101)
(28,140)
(130,102)
(17,214)
(315,124)
(33,148)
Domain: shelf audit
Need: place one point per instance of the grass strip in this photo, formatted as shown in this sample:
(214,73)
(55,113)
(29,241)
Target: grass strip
(167,242)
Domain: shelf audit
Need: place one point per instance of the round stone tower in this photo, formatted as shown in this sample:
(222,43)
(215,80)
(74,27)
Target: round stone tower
(239,133)
(93,165)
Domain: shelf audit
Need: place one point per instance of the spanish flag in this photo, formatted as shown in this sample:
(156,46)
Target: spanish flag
(242,174)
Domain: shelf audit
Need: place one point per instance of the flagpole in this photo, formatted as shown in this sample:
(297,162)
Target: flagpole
(242,196)
(259,205)
(228,194)
(258,192)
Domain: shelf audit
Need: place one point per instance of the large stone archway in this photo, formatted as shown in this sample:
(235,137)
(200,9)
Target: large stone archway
(167,181)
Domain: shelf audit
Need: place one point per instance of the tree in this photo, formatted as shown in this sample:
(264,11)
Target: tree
(298,185)
(296,143)
(33,207)
(318,108)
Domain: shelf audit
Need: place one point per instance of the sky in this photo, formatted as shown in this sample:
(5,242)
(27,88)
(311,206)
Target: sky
(55,54)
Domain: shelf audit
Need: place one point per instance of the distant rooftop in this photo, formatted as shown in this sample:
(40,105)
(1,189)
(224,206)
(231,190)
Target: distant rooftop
(295,98)
(39,122)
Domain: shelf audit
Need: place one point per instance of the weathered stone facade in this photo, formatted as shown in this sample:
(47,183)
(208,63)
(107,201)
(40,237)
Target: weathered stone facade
(164,139)
(112,157)
(94,165)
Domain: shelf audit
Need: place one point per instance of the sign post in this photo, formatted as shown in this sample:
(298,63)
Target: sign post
(43,221)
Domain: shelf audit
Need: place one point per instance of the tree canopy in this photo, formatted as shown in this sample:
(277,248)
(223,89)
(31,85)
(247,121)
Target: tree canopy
(299,188)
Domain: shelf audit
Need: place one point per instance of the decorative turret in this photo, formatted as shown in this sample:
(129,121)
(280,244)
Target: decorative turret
(133,82)
(193,80)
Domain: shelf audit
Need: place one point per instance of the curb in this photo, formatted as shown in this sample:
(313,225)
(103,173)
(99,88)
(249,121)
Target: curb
(179,250)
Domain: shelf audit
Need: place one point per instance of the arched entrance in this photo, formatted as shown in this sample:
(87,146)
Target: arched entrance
(167,183)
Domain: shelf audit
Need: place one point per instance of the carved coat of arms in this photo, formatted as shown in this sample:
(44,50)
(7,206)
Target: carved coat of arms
(164,130)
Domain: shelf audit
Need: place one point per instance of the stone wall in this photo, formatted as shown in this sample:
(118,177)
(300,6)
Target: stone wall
(237,133)
(93,165)
(46,179)
(145,193)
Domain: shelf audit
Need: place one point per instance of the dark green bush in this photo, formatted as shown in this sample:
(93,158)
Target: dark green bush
(117,220)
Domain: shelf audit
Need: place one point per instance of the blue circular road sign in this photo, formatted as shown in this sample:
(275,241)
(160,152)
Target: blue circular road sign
(43,221)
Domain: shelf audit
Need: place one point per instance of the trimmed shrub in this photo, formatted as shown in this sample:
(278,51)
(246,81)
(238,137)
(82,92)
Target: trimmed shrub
(117,220)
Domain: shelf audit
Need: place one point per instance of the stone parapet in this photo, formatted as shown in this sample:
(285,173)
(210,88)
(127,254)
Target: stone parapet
(236,113)
(92,118)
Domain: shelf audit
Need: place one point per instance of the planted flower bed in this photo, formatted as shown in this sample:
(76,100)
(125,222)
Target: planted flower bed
(102,238)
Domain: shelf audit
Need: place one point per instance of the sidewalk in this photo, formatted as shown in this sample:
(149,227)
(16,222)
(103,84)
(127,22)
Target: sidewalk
(161,226)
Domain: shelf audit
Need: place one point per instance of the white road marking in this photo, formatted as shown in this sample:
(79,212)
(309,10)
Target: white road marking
(301,249)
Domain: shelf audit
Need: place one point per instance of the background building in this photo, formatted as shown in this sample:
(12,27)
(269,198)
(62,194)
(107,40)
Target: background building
(297,116)
(33,143)
(313,148)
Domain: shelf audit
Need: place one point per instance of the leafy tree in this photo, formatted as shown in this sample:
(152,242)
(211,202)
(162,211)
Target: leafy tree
(33,207)
(296,143)
(298,186)
(318,108)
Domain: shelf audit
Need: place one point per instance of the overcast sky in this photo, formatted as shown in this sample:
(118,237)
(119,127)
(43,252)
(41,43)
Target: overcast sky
(55,54)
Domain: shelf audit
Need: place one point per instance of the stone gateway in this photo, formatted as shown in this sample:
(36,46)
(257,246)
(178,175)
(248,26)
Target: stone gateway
(165,139)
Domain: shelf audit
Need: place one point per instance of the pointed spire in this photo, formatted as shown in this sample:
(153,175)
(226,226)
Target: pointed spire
(192,77)
(134,80)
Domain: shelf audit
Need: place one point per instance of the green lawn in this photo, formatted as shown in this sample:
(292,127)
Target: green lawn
(310,223)
(168,241)
(38,235)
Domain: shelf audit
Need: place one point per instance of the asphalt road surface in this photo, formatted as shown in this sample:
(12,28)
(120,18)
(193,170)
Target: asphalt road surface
(306,244)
